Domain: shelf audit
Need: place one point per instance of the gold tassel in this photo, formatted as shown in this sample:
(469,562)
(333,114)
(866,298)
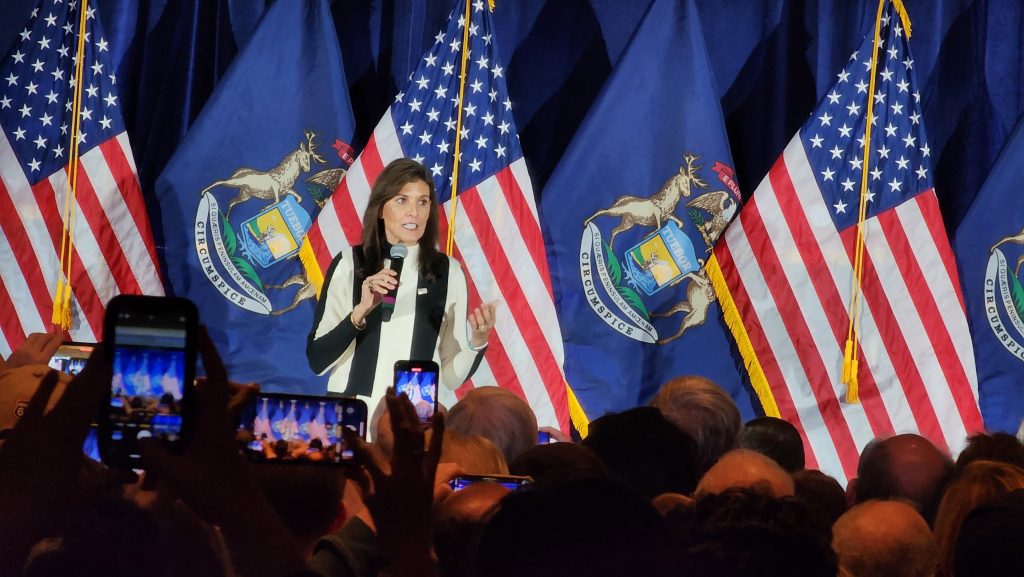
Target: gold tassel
(576,413)
(313,273)
(758,380)
(61,316)
(847,362)
(852,388)
(904,16)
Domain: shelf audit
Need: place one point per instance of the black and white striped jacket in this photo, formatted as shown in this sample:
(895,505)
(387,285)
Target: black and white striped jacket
(429,323)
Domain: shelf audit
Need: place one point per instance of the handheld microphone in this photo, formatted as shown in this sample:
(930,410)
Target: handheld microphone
(398,254)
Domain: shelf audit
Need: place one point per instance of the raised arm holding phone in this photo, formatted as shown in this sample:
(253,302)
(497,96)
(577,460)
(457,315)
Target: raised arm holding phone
(373,311)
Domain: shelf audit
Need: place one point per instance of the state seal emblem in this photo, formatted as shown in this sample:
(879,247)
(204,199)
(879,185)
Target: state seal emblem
(1004,293)
(620,287)
(243,260)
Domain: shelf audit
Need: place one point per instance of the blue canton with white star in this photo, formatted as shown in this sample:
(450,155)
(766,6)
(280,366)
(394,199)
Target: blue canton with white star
(37,88)
(424,113)
(898,166)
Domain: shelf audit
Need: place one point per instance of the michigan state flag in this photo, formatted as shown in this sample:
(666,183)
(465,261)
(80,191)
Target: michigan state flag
(631,213)
(243,188)
(989,247)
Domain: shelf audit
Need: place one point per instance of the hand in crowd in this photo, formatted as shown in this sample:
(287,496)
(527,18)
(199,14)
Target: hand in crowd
(400,494)
(41,457)
(556,435)
(442,480)
(35,350)
(212,478)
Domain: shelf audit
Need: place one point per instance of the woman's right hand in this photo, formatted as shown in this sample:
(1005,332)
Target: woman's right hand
(374,288)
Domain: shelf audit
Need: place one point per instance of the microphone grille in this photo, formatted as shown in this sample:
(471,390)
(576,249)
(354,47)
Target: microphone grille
(399,251)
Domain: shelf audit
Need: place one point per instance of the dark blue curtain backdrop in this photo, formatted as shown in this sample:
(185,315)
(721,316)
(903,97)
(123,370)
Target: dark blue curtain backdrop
(771,61)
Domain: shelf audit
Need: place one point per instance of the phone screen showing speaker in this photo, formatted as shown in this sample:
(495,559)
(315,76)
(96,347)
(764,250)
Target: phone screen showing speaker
(149,362)
(70,357)
(300,429)
(419,383)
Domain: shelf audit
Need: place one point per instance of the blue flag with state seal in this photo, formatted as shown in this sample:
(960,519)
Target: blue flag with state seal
(242,190)
(630,215)
(989,249)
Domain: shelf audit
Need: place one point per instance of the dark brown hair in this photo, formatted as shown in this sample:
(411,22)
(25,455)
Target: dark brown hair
(395,175)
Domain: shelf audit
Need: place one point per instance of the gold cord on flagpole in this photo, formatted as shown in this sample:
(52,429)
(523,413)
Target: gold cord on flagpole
(61,316)
(850,362)
(450,245)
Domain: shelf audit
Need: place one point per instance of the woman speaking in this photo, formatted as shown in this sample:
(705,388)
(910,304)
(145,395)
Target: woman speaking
(359,340)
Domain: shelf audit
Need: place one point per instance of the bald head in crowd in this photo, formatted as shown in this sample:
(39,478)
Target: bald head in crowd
(743,468)
(905,467)
(500,416)
(703,410)
(884,539)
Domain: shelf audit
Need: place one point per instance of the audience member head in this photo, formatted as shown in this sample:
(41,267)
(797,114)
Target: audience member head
(670,503)
(701,409)
(592,527)
(558,462)
(642,449)
(979,483)
(380,428)
(774,438)
(113,536)
(743,532)
(884,539)
(497,414)
(991,539)
(281,449)
(459,523)
(307,498)
(823,495)
(475,455)
(743,468)
(906,467)
(1002,447)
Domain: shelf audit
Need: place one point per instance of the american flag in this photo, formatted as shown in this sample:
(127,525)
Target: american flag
(788,268)
(113,248)
(497,232)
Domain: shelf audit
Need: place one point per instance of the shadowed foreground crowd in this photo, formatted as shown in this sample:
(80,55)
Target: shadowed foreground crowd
(678,488)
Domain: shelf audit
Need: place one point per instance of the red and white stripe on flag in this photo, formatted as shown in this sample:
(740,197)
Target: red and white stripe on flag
(790,271)
(112,243)
(497,231)
(499,242)
(113,249)
(785,275)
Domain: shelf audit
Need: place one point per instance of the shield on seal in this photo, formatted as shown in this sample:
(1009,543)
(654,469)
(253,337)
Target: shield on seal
(275,233)
(660,259)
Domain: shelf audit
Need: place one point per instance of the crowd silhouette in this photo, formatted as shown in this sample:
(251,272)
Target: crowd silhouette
(678,488)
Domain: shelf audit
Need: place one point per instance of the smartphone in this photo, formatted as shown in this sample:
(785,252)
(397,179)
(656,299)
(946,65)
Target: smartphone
(70,357)
(282,428)
(418,380)
(151,344)
(513,482)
